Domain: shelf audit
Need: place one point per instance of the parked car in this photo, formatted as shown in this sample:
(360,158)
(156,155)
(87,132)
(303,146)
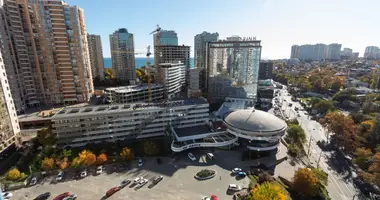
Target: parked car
(61,196)
(206,198)
(157,179)
(33,181)
(234,187)
(125,183)
(192,157)
(59,176)
(71,197)
(7,195)
(242,174)
(83,174)
(236,170)
(211,156)
(112,191)
(137,180)
(99,170)
(141,163)
(43,196)
(142,183)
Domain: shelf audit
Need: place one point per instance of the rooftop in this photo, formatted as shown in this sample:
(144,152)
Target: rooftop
(117,108)
(133,88)
(254,121)
(190,131)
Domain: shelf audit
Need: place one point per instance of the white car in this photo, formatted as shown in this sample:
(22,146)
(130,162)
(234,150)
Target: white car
(99,170)
(71,197)
(83,174)
(137,180)
(59,176)
(206,198)
(236,170)
(140,162)
(7,195)
(192,157)
(234,187)
(33,181)
(211,156)
(142,183)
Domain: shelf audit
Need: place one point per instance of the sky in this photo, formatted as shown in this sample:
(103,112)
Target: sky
(277,23)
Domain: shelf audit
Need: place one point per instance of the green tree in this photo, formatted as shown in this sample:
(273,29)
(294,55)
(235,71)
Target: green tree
(295,134)
(374,134)
(151,148)
(362,156)
(46,137)
(67,153)
(323,106)
(337,84)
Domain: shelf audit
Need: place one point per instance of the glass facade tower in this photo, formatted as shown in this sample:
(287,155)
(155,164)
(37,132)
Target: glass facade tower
(232,69)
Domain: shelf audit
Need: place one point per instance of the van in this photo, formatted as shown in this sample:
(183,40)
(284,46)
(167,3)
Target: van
(211,156)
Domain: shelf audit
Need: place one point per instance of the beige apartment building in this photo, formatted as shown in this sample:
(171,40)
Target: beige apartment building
(45,52)
(9,126)
(96,56)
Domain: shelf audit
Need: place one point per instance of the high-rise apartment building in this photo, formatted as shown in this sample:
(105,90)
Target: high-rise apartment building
(96,56)
(9,126)
(200,41)
(232,69)
(370,52)
(172,77)
(46,52)
(295,51)
(334,51)
(123,56)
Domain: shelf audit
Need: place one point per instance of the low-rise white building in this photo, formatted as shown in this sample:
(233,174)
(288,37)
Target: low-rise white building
(134,93)
(95,124)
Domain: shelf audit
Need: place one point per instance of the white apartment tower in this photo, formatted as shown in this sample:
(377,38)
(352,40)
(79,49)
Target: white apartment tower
(9,126)
(123,56)
(96,56)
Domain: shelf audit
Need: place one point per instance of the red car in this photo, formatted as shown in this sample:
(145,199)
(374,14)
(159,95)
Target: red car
(112,191)
(61,196)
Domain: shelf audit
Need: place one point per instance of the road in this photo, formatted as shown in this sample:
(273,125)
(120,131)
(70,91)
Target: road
(337,187)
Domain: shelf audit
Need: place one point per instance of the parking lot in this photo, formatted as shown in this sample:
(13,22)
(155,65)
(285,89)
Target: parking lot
(178,182)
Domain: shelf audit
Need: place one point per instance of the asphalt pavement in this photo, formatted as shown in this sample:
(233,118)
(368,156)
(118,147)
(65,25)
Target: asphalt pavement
(339,187)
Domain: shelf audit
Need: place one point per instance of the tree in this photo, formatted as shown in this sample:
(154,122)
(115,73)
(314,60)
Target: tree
(362,156)
(67,153)
(127,154)
(320,175)
(268,190)
(77,162)
(47,163)
(323,106)
(151,148)
(90,159)
(295,134)
(344,130)
(305,183)
(336,84)
(374,134)
(46,137)
(64,163)
(102,158)
(13,174)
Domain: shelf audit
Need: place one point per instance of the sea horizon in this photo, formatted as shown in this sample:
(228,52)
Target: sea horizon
(140,62)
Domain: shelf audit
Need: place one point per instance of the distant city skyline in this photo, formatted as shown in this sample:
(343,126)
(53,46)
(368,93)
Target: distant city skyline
(278,24)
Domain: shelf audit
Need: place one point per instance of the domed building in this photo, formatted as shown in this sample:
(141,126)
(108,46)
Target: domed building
(256,129)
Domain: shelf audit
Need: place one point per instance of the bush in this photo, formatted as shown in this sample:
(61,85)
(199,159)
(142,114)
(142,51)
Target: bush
(14,174)
(293,150)
(205,173)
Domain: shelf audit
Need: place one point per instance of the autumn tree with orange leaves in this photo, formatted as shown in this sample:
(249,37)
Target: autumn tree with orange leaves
(306,183)
(87,157)
(101,159)
(47,163)
(344,131)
